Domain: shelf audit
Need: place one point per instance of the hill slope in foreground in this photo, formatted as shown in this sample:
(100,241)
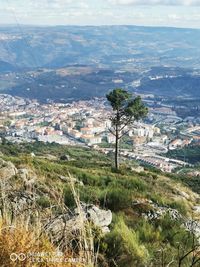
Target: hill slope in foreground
(68,202)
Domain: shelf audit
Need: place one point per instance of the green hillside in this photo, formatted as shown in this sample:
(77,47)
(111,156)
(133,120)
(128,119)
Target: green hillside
(150,210)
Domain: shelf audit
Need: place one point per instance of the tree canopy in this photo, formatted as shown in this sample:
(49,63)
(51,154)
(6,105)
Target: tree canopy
(126,110)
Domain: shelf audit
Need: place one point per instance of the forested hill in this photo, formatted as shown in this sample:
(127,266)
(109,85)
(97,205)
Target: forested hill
(55,47)
(63,63)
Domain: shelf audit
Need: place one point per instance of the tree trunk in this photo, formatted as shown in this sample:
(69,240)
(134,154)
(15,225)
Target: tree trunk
(117,149)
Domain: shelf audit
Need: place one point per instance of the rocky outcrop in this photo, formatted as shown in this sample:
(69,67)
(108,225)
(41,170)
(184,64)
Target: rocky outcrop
(154,211)
(100,218)
(63,228)
(194,227)
(21,203)
(7,170)
(28,178)
(18,198)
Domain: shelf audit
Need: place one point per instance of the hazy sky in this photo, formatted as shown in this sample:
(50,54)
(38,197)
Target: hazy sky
(179,13)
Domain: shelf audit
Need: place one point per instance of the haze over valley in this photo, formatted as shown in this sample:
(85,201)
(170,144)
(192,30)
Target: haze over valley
(72,62)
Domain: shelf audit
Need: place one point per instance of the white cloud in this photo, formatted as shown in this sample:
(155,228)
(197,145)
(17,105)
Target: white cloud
(156,2)
(102,12)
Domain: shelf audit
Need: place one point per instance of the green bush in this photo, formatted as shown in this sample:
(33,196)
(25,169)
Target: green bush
(44,202)
(133,184)
(180,206)
(124,247)
(89,194)
(68,197)
(148,233)
(117,199)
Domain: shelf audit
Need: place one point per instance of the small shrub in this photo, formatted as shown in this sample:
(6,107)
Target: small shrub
(180,206)
(68,198)
(133,184)
(124,246)
(43,202)
(147,233)
(117,199)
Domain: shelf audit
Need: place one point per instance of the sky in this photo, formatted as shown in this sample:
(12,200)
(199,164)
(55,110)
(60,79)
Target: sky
(175,13)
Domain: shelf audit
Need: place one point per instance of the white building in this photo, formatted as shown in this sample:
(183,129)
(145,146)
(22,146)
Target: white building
(110,138)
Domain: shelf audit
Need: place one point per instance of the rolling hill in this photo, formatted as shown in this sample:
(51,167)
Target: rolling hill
(162,61)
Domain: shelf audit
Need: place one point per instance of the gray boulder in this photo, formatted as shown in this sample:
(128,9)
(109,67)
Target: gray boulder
(67,227)
(100,218)
(21,202)
(7,169)
(28,178)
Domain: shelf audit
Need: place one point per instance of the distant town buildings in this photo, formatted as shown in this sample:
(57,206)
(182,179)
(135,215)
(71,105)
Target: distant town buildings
(87,123)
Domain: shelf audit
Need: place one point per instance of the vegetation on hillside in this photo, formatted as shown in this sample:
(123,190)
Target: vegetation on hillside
(126,110)
(190,154)
(134,238)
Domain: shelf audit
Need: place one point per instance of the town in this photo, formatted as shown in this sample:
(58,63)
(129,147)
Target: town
(87,123)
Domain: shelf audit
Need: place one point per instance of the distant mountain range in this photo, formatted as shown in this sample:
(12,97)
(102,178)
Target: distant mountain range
(6,67)
(95,59)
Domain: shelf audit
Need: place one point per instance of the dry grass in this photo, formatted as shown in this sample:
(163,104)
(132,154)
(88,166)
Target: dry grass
(16,239)
(20,236)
